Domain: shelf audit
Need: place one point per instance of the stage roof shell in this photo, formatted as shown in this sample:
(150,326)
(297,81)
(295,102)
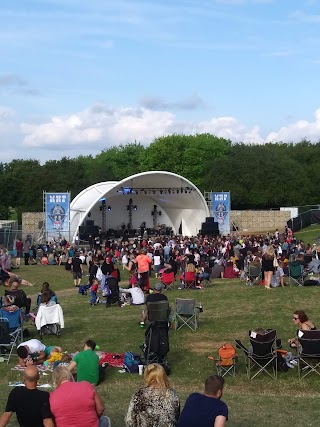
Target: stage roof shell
(186,209)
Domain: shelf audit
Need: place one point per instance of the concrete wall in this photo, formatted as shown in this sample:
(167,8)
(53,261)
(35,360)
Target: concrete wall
(255,221)
(30,224)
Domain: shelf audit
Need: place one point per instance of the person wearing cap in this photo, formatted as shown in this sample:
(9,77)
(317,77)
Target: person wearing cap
(156,296)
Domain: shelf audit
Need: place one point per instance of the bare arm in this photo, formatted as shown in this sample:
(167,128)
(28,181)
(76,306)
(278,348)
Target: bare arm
(72,365)
(99,404)
(48,422)
(5,418)
(220,421)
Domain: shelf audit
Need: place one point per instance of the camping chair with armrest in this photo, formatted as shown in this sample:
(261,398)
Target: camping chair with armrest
(168,280)
(226,360)
(50,320)
(308,352)
(254,276)
(295,269)
(190,279)
(186,313)
(261,357)
(11,333)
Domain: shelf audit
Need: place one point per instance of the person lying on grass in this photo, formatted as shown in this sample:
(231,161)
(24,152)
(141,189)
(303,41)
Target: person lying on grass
(33,352)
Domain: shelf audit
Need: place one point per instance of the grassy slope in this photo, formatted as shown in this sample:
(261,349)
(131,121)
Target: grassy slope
(230,310)
(309,234)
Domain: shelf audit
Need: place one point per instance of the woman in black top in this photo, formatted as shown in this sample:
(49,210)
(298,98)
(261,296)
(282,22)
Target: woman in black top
(268,265)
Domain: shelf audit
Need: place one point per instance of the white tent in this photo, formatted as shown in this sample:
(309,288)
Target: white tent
(181,204)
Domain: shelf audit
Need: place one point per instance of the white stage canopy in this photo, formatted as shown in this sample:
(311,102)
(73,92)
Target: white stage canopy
(181,204)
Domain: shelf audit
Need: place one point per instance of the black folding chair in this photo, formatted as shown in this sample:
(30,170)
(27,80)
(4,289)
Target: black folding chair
(261,357)
(308,352)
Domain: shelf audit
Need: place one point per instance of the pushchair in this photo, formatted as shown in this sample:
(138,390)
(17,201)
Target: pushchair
(156,345)
(113,293)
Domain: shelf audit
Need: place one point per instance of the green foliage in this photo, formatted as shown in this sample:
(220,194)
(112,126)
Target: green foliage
(258,176)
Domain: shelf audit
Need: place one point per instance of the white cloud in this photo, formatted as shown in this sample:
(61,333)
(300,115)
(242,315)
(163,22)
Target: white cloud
(102,126)
(297,131)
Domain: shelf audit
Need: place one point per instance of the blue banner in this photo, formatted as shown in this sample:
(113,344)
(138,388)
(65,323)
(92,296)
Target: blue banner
(57,211)
(221,211)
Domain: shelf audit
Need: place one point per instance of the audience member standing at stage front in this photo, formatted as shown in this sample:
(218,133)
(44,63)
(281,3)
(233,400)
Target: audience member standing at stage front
(26,250)
(19,249)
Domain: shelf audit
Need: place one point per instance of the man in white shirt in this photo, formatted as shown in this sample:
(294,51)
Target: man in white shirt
(136,293)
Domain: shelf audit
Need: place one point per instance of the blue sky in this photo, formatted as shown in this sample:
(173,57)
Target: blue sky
(79,76)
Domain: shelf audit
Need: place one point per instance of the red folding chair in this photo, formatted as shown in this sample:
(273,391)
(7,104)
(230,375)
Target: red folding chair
(190,279)
(168,280)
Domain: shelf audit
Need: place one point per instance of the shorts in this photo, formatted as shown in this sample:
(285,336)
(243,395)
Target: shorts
(77,275)
(48,350)
(157,268)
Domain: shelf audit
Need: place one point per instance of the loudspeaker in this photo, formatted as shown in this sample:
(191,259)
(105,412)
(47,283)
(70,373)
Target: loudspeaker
(90,222)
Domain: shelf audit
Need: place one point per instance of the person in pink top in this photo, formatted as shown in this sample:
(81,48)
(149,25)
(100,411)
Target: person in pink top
(143,262)
(75,404)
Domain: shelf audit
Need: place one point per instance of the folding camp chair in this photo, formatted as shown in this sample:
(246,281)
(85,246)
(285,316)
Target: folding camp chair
(168,280)
(226,361)
(186,313)
(190,279)
(159,310)
(261,356)
(11,334)
(308,352)
(295,273)
(50,320)
(254,276)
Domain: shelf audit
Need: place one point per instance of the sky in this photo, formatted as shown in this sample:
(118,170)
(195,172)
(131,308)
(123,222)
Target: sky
(78,76)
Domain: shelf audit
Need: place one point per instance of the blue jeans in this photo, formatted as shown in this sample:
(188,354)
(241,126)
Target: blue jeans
(93,297)
(103,421)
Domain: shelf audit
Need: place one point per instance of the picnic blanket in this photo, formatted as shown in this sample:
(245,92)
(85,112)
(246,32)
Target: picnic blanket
(113,359)
(41,368)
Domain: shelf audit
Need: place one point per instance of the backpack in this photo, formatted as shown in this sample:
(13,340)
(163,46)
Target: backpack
(226,354)
(131,362)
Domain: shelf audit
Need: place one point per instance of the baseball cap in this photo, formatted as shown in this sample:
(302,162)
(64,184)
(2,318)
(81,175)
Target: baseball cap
(158,287)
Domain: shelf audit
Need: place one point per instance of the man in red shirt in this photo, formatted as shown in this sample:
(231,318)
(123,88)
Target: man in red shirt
(143,262)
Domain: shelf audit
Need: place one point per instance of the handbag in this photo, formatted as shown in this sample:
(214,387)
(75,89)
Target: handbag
(275,262)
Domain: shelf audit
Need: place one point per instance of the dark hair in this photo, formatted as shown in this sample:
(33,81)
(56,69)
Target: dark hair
(213,384)
(91,344)
(302,316)
(22,352)
(45,286)
(45,297)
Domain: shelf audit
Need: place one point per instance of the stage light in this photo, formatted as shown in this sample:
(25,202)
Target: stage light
(155,207)
(135,208)
(159,213)
(161,191)
(169,191)
(178,191)
(89,214)
(185,191)
(145,191)
(109,208)
(154,191)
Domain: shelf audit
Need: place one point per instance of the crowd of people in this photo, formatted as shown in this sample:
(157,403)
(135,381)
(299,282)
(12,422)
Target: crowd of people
(75,401)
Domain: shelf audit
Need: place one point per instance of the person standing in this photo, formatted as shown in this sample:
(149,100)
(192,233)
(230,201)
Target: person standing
(77,270)
(205,410)
(19,250)
(30,404)
(269,262)
(143,262)
(26,250)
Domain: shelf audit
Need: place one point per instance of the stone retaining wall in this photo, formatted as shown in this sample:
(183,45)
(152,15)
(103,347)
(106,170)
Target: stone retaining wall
(255,221)
(32,224)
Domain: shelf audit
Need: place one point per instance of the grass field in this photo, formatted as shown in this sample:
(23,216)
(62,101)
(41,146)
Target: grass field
(230,310)
(308,234)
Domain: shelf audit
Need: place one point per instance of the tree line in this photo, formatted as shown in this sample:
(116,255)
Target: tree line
(258,176)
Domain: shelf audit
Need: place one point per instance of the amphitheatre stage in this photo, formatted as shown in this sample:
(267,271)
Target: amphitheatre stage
(152,202)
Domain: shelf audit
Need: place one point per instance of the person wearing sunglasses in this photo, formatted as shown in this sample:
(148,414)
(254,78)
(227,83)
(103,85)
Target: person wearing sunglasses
(302,322)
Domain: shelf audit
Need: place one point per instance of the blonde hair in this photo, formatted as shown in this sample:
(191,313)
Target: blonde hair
(270,251)
(60,374)
(191,268)
(156,377)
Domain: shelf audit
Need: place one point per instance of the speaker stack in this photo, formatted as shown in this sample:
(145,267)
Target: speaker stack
(210,227)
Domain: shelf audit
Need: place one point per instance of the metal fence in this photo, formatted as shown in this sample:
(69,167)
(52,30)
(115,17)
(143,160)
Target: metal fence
(8,237)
